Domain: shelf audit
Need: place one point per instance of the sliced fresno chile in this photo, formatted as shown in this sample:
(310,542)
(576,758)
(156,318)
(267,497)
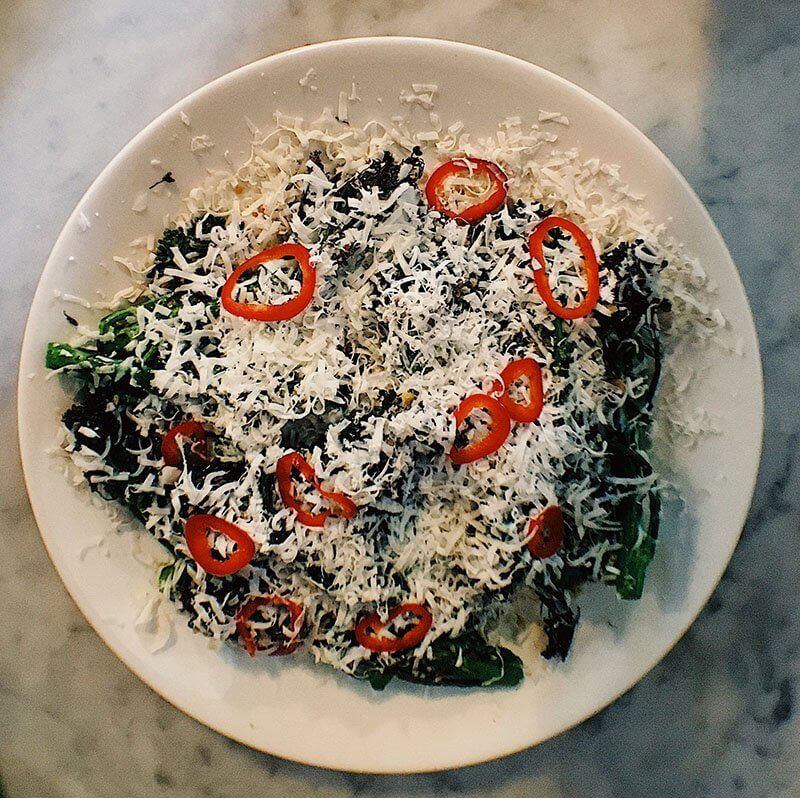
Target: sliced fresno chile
(196,532)
(285,470)
(249,635)
(529,369)
(546,532)
(499,427)
(263,312)
(590,268)
(173,441)
(369,628)
(437,190)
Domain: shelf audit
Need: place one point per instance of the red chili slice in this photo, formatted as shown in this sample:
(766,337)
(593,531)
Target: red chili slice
(369,628)
(526,367)
(263,312)
(500,426)
(590,268)
(296,616)
(435,187)
(196,533)
(171,443)
(546,532)
(294,461)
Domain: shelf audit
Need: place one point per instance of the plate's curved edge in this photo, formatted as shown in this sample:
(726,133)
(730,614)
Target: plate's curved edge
(444,763)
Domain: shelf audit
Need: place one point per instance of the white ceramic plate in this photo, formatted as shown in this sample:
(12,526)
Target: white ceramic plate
(315,715)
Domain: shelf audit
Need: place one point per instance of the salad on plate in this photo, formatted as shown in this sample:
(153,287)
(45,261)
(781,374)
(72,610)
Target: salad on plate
(388,396)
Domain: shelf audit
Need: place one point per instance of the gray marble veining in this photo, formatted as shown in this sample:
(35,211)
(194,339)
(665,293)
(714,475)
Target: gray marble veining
(717,86)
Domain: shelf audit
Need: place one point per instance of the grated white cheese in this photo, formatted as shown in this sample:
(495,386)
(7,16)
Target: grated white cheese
(451,535)
(342,115)
(305,81)
(422,94)
(140,203)
(553,116)
(200,143)
(71,298)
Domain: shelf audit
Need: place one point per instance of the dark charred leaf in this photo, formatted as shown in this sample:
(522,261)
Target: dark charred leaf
(167,178)
(385,175)
(463,661)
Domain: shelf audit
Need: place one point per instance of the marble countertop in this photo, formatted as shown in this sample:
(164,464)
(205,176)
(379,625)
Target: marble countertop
(714,83)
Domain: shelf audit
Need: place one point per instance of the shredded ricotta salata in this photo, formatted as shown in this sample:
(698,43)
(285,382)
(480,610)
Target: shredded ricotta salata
(412,313)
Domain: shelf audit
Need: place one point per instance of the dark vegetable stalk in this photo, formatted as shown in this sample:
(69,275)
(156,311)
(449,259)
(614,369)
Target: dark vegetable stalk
(111,358)
(463,661)
(632,349)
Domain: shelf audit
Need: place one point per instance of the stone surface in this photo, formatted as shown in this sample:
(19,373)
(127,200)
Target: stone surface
(715,84)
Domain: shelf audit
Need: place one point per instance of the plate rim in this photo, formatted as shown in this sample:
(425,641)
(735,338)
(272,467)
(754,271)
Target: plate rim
(456,46)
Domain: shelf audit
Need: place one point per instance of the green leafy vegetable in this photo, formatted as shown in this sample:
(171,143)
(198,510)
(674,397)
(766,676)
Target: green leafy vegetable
(100,421)
(186,241)
(59,356)
(638,548)
(385,175)
(111,357)
(631,348)
(303,434)
(638,518)
(561,348)
(463,661)
(122,323)
(165,573)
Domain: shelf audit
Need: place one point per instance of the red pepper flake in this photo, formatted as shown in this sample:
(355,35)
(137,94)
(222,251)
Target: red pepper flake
(368,631)
(590,268)
(263,312)
(249,640)
(295,462)
(435,188)
(196,532)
